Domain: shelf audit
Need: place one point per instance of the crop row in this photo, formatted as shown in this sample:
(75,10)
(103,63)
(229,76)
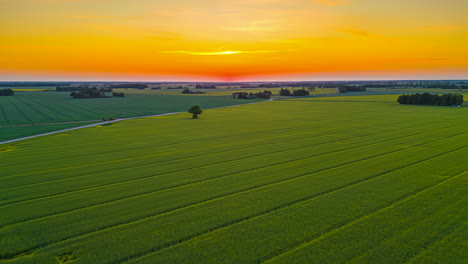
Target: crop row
(156,133)
(144,182)
(86,219)
(262,237)
(335,195)
(147,158)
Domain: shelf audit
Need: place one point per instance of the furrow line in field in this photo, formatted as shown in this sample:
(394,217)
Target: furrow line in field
(140,137)
(69,107)
(207,109)
(434,243)
(331,191)
(407,229)
(155,155)
(191,139)
(118,161)
(158,154)
(31,105)
(5,117)
(252,156)
(168,188)
(45,101)
(19,110)
(139,148)
(399,200)
(447,231)
(182,170)
(282,207)
(94,104)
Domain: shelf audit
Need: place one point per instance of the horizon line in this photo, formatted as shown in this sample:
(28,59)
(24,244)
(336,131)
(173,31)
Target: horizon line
(256,81)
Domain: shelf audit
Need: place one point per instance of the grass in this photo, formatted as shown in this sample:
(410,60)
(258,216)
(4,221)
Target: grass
(316,180)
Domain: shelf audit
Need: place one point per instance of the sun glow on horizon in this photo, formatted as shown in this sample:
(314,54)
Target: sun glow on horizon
(240,40)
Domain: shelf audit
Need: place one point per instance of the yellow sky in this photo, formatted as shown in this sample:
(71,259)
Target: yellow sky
(233,40)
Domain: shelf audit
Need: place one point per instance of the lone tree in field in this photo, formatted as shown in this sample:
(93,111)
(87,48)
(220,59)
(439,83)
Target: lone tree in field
(195,110)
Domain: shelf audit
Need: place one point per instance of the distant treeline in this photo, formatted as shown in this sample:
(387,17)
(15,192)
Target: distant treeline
(6,92)
(299,92)
(348,88)
(431,99)
(88,93)
(130,85)
(244,95)
(187,91)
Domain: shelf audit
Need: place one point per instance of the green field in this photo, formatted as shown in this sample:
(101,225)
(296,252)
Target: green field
(46,109)
(308,180)
(222,91)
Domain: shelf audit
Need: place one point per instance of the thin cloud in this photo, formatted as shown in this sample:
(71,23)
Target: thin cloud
(214,53)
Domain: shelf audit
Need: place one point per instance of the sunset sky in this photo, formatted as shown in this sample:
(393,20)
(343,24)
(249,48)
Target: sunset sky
(238,40)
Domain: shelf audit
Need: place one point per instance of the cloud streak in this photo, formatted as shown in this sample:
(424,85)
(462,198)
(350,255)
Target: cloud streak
(215,53)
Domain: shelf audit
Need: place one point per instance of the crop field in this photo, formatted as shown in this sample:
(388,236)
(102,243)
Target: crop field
(222,91)
(308,180)
(427,90)
(46,109)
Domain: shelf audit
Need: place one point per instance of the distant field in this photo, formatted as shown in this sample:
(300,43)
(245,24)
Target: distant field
(419,90)
(319,180)
(221,91)
(29,88)
(52,107)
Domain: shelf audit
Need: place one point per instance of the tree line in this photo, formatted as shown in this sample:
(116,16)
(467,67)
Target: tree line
(299,92)
(6,92)
(188,91)
(244,95)
(93,93)
(431,99)
(350,88)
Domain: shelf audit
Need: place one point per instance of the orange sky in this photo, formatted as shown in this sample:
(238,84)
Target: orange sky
(238,40)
